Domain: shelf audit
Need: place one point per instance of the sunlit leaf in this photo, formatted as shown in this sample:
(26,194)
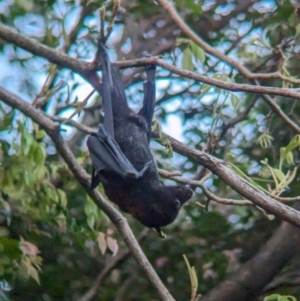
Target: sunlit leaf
(187,62)
(193,278)
(279,174)
(234,100)
(204,89)
(7,120)
(265,140)
(62,197)
(182,41)
(101,242)
(278,297)
(40,134)
(198,52)
(112,244)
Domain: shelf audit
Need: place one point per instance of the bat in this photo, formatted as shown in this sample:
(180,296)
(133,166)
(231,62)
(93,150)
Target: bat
(121,157)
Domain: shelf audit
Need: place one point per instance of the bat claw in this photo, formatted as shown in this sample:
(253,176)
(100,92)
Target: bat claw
(160,233)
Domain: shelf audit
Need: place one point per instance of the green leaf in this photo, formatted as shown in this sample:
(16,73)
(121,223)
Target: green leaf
(26,139)
(62,222)
(91,221)
(187,62)
(279,298)
(286,156)
(156,127)
(51,194)
(243,175)
(290,158)
(167,144)
(297,30)
(10,247)
(204,89)
(222,77)
(265,140)
(5,146)
(37,153)
(182,41)
(62,197)
(32,272)
(40,173)
(279,174)
(7,120)
(193,278)
(40,134)
(92,213)
(234,100)
(295,142)
(198,52)
(191,5)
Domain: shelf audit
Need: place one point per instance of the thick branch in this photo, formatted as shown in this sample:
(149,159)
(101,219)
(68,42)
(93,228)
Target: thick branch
(244,188)
(84,68)
(255,274)
(44,51)
(84,179)
(237,183)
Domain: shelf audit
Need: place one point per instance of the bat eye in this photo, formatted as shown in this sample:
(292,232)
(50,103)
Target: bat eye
(177,204)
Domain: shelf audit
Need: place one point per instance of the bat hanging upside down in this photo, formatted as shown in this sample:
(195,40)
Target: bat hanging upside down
(121,157)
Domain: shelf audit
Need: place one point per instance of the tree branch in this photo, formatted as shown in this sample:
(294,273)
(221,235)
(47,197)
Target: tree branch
(84,179)
(168,6)
(237,183)
(235,64)
(84,68)
(256,273)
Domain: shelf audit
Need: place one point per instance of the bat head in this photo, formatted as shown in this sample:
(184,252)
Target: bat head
(164,206)
(158,206)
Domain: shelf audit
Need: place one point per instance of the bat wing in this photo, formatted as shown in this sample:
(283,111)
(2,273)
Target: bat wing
(119,96)
(107,88)
(112,92)
(107,155)
(147,110)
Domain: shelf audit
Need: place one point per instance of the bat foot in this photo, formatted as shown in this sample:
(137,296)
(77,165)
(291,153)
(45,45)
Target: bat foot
(160,234)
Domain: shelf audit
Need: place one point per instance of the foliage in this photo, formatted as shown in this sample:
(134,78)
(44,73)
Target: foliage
(54,240)
(279,298)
